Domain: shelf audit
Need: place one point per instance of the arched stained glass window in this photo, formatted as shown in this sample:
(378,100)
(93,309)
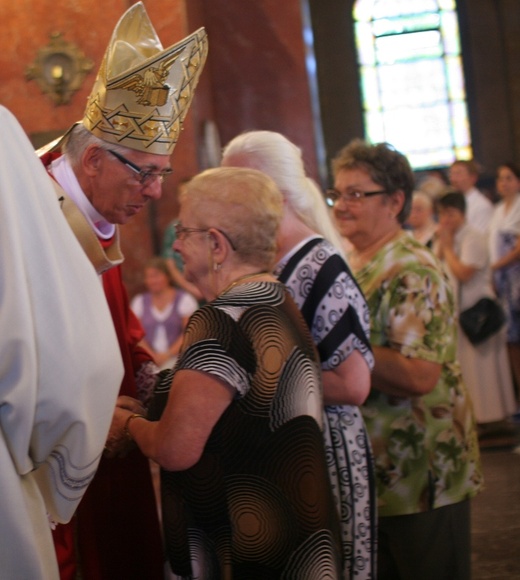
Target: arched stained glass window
(412,81)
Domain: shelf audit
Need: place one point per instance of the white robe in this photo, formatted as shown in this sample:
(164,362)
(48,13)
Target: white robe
(60,364)
(479,210)
(503,222)
(485,367)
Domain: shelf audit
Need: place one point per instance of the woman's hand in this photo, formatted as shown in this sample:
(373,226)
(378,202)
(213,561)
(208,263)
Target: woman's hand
(118,443)
(402,377)
(445,237)
(130,404)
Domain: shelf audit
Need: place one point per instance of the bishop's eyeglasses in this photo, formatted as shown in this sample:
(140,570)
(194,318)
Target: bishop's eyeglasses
(143,176)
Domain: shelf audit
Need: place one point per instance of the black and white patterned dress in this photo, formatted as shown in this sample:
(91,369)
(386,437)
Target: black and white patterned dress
(336,312)
(258,503)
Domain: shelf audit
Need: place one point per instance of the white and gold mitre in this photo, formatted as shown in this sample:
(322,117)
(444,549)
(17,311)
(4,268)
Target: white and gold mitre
(142,92)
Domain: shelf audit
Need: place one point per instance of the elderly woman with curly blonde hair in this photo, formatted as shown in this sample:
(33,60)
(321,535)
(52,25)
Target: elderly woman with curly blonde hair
(245,488)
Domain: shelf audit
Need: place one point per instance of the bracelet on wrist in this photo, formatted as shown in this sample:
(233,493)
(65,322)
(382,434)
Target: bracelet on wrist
(127,424)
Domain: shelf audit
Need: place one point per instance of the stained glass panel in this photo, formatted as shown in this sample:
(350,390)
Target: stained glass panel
(411,84)
(411,78)
(447,5)
(370,85)
(374,124)
(399,47)
(376,9)
(455,78)
(385,8)
(460,125)
(450,30)
(399,25)
(365,44)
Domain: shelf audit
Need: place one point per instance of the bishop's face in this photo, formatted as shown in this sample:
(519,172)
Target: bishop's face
(120,186)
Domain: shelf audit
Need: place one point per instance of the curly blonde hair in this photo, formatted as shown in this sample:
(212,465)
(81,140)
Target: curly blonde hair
(244,204)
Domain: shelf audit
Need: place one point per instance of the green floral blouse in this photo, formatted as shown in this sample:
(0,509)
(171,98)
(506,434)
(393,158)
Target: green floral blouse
(425,448)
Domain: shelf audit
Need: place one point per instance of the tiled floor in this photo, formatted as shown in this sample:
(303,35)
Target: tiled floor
(496,510)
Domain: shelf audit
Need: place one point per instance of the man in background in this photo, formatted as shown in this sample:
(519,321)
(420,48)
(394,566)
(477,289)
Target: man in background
(463,176)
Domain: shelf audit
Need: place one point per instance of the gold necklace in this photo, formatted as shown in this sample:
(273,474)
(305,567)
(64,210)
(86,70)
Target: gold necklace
(241,279)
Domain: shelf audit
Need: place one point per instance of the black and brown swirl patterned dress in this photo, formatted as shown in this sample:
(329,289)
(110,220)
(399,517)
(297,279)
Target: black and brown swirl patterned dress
(258,504)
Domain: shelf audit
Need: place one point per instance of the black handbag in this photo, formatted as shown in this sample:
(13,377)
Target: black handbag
(482,320)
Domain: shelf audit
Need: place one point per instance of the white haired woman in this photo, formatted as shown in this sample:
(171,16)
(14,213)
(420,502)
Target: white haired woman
(311,264)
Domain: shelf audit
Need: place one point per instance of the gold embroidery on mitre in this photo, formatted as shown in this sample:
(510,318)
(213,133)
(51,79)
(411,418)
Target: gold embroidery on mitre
(144,106)
(149,86)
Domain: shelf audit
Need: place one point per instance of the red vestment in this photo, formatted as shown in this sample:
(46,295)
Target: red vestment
(117,523)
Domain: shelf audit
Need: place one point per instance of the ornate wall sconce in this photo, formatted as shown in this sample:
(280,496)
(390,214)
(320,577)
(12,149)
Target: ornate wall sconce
(59,69)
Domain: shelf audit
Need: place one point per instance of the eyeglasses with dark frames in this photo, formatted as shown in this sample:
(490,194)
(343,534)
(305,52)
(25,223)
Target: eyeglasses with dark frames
(332,196)
(181,232)
(143,177)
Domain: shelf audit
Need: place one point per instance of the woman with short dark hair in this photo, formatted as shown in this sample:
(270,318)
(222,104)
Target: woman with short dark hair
(418,413)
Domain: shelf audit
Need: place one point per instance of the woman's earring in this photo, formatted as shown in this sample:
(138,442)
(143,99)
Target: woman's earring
(216,266)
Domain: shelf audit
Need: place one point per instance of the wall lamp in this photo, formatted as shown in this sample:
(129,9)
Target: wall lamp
(59,69)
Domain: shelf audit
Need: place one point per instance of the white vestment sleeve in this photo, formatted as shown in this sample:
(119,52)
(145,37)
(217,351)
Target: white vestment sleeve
(60,364)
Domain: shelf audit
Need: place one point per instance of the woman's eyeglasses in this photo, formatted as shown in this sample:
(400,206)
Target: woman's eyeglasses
(332,196)
(181,232)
